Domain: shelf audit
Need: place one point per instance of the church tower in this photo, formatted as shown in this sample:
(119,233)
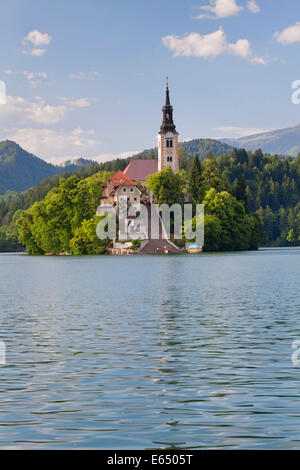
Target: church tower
(168,138)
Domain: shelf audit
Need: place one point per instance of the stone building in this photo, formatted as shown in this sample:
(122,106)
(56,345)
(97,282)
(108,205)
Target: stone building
(120,185)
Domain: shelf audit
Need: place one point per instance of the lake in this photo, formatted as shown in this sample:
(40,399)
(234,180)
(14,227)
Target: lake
(169,351)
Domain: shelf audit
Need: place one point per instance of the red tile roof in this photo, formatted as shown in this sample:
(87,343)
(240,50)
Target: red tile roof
(120,179)
(138,170)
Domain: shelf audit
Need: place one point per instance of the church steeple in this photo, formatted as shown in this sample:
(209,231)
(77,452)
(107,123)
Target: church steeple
(167,122)
(167,103)
(168,138)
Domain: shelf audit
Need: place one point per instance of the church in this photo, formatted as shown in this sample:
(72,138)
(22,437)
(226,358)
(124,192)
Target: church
(137,171)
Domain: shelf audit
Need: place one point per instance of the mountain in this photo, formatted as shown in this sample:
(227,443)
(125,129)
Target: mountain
(20,170)
(204,146)
(200,146)
(279,142)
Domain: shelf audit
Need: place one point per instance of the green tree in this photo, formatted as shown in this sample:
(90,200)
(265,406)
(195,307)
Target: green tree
(236,230)
(211,176)
(85,240)
(195,180)
(240,191)
(167,187)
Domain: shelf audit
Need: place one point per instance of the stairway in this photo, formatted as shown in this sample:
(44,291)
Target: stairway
(157,246)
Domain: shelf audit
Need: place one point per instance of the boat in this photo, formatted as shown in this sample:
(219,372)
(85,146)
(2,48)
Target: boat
(194,248)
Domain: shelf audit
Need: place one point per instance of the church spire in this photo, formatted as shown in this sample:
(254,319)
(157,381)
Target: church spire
(167,103)
(167,122)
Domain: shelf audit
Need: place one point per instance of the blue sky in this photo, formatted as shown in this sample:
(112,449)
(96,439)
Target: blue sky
(86,78)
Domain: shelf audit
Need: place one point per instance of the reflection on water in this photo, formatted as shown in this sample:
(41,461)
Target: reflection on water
(150,351)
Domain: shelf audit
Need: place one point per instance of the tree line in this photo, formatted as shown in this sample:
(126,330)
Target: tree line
(267,186)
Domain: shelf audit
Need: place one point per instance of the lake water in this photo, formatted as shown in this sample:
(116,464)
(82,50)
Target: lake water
(182,351)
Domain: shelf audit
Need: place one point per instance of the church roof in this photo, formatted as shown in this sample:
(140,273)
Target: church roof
(120,179)
(138,170)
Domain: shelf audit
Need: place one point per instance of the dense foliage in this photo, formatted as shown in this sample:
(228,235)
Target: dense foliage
(272,190)
(13,202)
(65,221)
(167,187)
(228,226)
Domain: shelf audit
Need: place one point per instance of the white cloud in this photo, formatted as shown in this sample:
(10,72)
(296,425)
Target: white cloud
(236,132)
(260,60)
(104,157)
(220,9)
(85,75)
(34,78)
(55,146)
(242,48)
(59,146)
(253,7)
(208,45)
(79,102)
(37,52)
(22,110)
(193,44)
(289,35)
(37,38)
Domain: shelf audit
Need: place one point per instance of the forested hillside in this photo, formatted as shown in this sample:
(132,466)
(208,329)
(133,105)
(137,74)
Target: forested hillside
(272,186)
(20,170)
(200,146)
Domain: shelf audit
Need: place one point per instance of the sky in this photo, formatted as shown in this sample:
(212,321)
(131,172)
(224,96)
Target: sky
(87,78)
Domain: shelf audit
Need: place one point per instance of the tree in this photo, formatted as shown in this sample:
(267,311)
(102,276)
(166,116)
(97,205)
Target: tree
(195,180)
(167,187)
(64,220)
(236,232)
(240,191)
(85,240)
(212,233)
(211,176)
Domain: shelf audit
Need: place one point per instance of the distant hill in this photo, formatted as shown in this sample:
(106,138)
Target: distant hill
(200,146)
(278,142)
(20,170)
(204,146)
